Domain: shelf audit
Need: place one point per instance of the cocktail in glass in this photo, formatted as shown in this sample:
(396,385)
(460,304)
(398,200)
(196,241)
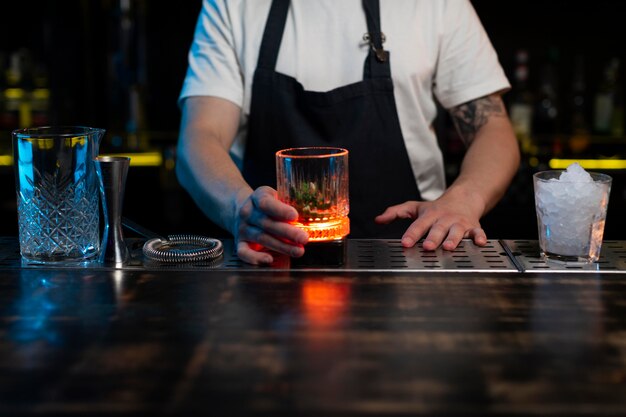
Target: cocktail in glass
(314,180)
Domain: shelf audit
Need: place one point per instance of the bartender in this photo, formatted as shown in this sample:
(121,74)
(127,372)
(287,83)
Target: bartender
(363,75)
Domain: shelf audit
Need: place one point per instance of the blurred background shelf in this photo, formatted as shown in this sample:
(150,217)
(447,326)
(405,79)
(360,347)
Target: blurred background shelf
(119,64)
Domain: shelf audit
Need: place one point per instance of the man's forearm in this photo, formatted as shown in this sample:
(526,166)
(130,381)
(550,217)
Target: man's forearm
(490,163)
(204,166)
(212,179)
(493,156)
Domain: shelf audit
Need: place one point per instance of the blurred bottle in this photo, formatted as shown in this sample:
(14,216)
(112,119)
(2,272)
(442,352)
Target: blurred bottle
(12,93)
(17,92)
(617,120)
(3,69)
(25,114)
(136,125)
(605,121)
(546,112)
(580,130)
(521,105)
(40,97)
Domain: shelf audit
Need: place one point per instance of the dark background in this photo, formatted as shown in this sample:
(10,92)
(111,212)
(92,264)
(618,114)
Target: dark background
(96,55)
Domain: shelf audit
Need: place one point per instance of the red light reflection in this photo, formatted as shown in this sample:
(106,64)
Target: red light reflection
(325,303)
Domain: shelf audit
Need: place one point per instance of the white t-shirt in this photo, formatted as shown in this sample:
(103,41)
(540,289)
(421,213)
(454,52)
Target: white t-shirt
(438,48)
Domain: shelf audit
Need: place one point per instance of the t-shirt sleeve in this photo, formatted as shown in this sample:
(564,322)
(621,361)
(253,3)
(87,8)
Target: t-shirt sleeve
(213,66)
(467,66)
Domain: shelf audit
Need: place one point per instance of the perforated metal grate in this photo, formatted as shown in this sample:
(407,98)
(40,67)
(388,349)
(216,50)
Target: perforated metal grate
(526,253)
(391,255)
(384,256)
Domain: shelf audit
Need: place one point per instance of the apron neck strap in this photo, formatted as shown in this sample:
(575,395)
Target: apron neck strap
(376,64)
(273,34)
(372,15)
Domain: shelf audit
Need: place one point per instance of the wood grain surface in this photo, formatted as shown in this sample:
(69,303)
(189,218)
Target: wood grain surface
(82,342)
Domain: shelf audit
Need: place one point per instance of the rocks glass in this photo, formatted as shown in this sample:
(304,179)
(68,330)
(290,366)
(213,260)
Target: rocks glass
(571,210)
(314,180)
(57,193)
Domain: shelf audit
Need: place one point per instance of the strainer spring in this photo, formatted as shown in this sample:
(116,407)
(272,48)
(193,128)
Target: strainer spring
(183,248)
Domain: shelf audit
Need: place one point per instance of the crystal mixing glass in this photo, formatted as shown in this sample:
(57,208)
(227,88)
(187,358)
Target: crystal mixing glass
(57,193)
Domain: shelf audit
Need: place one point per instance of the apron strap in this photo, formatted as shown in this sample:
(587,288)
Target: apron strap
(273,34)
(377,62)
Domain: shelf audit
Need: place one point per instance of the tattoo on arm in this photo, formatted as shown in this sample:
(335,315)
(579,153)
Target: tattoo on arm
(471,116)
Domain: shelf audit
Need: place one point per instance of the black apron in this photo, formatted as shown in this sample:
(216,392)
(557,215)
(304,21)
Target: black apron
(360,117)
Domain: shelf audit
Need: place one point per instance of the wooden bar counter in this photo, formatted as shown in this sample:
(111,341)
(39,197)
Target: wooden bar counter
(235,340)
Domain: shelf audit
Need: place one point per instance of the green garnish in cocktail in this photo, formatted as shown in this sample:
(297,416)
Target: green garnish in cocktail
(308,200)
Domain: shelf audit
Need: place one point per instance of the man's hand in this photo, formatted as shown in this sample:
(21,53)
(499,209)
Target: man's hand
(262,224)
(489,165)
(257,220)
(444,222)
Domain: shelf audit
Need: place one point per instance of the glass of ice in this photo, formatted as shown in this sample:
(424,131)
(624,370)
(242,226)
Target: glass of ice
(314,180)
(571,210)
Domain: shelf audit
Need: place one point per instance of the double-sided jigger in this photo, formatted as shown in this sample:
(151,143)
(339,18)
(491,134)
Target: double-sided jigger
(112,172)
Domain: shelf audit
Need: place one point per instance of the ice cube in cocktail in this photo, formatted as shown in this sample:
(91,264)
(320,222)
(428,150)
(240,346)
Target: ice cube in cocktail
(571,210)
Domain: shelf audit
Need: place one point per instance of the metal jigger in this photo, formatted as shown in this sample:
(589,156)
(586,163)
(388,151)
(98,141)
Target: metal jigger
(112,171)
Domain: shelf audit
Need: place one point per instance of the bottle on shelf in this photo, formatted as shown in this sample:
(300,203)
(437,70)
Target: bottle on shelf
(12,93)
(40,97)
(3,69)
(580,130)
(17,92)
(617,119)
(521,105)
(605,121)
(546,115)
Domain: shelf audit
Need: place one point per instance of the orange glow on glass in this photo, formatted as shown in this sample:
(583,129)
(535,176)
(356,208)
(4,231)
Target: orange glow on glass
(315,182)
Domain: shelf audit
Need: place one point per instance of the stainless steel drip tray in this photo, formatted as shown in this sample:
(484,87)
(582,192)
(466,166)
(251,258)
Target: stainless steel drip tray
(390,256)
(527,257)
(378,255)
(367,255)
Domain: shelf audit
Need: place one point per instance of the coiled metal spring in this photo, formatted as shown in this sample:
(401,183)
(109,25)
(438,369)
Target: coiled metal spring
(183,248)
